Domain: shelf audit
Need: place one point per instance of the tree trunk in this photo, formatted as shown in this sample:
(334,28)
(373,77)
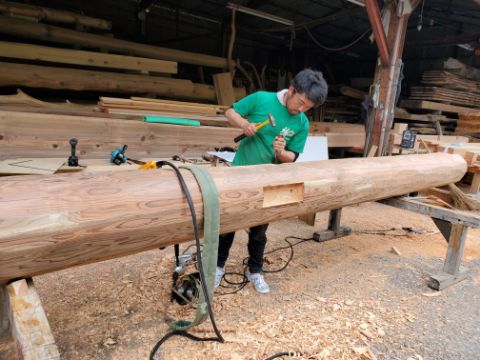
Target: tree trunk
(49,223)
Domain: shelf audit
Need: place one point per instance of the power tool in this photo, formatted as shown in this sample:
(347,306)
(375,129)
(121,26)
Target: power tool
(118,156)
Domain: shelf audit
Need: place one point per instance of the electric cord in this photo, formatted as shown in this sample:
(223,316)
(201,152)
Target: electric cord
(241,284)
(341,48)
(280,354)
(183,333)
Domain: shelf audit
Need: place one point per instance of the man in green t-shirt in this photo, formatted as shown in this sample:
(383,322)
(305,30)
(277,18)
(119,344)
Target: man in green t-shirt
(280,144)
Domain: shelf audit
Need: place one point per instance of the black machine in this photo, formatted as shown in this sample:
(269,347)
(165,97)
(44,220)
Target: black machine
(73,159)
(408,139)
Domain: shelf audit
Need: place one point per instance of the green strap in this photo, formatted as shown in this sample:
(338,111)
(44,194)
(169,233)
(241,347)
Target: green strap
(211,226)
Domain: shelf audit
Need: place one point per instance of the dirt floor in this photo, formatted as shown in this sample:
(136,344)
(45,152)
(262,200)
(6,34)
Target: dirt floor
(350,298)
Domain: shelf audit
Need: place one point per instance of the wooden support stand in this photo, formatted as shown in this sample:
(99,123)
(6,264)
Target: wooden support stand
(334,229)
(453,224)
(22,309)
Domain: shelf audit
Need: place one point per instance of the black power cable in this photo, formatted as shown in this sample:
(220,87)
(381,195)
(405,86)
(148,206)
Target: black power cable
(244,280)
(218,337)
(285,353)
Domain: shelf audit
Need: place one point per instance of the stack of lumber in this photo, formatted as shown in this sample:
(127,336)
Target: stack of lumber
(449,80)
(425,123)
(468,123)
(456,67)
(421,140)
(440,94)
(341,109)
(452,88)
(209,115)
(134,68)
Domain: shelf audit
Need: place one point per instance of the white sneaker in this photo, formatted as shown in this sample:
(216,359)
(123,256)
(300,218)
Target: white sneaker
(219,272)
(258,282)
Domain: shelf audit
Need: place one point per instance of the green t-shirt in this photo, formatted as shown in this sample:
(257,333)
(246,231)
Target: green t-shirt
(258,149)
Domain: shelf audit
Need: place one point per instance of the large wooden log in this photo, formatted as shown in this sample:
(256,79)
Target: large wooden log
(30,30)
(14,50)
(53,15)
(48,223)
(73,79)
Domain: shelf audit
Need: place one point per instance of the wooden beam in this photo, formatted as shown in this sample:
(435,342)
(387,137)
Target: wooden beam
(38,135)
(29,325)
(431,105)
(73,79)
(30,30)
(224,88)
(86,218)
(339,134)
(46,14)
(87,58)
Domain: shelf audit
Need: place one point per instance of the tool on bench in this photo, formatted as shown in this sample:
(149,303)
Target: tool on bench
(118,156)
(270,120)
(73,159)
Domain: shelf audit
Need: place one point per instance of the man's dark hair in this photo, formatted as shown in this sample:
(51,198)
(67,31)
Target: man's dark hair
(312,84)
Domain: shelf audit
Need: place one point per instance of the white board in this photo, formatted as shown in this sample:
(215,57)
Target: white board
(316,148)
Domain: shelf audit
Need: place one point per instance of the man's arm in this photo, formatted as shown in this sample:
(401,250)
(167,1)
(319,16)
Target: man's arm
(283,155)
(238,121)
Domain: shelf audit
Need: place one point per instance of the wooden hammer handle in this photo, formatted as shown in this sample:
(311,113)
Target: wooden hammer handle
(258,126)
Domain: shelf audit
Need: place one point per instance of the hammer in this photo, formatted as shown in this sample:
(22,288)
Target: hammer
(270,120)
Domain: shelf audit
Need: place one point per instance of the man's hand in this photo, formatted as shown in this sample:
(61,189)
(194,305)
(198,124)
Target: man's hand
(249,128)
(279,145)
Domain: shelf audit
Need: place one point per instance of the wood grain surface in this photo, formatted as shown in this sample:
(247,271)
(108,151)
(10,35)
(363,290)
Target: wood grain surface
(52,222)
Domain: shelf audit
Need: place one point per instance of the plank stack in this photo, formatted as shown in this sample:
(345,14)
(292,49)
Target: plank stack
(450,90)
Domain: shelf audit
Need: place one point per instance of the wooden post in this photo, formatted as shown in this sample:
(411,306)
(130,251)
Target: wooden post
(475,185)
(453,225)
(29,325)
(387,79)
(455,234)
(224,88)
(4,323)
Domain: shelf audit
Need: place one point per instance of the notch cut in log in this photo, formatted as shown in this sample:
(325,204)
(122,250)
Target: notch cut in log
(87,218)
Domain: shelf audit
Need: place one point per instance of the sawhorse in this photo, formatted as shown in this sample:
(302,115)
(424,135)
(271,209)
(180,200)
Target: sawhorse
(22,313)
(453,224)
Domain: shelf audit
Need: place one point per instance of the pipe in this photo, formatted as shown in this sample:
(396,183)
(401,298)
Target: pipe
(377,26)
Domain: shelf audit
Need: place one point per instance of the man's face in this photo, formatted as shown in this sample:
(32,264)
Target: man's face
(297,102)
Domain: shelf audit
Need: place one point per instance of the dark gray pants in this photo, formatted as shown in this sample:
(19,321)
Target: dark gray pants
(256,247)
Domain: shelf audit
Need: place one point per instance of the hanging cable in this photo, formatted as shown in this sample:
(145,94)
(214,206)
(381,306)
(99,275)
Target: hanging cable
(191,206)
(341,48)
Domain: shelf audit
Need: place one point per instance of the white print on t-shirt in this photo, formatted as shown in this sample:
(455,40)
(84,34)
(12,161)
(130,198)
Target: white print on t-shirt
(287,133)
